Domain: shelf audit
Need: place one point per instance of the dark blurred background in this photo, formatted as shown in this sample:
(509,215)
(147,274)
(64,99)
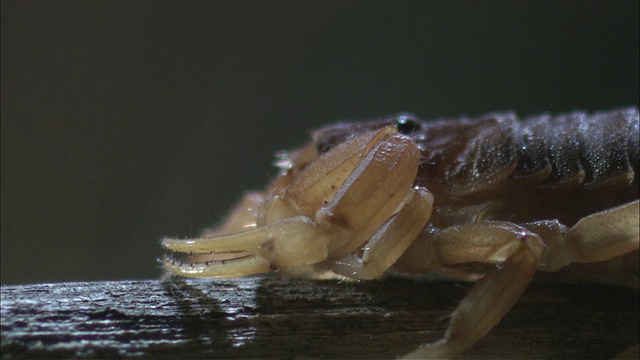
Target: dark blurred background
(124,122)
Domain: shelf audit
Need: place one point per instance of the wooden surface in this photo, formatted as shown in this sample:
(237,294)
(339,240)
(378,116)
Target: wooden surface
(289,318)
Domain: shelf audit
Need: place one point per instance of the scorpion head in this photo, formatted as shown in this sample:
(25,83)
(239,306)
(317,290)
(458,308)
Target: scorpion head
(335,206)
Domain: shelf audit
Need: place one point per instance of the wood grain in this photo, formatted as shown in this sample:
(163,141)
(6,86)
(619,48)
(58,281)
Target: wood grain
(270,317)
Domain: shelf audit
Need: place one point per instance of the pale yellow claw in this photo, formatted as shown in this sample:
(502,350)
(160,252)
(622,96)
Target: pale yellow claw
(242,266)
(243,241)
(316,214)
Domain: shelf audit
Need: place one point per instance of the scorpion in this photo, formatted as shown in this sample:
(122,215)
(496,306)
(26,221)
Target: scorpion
(493,199)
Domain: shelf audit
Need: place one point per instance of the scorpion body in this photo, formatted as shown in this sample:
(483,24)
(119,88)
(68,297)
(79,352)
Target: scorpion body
(492,198)
(546,167)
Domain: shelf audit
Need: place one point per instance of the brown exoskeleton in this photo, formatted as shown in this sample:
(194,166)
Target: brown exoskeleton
(414,196)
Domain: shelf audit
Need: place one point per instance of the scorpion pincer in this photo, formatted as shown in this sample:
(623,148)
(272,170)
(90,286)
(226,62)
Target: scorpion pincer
(413,196)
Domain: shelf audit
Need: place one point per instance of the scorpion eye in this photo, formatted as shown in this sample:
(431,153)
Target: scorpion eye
(323,147)
(407,125)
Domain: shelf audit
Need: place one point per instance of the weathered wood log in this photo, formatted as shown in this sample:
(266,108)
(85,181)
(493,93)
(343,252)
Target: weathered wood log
(291,318)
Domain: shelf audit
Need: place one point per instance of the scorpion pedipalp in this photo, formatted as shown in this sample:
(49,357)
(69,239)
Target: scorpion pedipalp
(359,191)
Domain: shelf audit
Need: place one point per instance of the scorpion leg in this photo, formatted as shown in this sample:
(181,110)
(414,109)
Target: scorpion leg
(391,240)
(604,235)
(515,250)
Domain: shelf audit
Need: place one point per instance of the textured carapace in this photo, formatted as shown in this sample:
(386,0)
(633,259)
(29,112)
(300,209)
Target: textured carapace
(563,167)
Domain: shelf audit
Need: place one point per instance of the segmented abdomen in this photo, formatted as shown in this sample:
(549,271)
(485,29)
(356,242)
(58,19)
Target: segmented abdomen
(569,152)
(579,150)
